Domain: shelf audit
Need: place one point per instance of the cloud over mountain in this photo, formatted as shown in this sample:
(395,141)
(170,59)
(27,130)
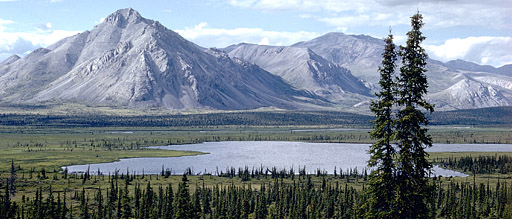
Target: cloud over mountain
(207,36)
(485,50)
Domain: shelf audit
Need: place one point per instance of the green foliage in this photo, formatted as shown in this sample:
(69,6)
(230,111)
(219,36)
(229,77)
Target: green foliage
(12,179)
(304,197)
(184,208)
(478,165)
(278,118)
(399,188)
(126,208)
(413,168)
(381,183)
(495,116)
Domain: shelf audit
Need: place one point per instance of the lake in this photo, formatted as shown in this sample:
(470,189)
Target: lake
(282,155)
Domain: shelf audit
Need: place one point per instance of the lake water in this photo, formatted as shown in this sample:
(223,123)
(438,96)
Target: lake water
(282,155)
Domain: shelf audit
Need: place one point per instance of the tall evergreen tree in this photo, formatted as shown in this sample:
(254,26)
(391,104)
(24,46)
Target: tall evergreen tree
(126,209)
(413,167)
(183,204)
(381,190)
(169,200)
(12,179)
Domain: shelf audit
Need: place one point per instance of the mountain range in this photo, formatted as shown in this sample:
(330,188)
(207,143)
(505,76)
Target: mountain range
(305,70)
(133,62)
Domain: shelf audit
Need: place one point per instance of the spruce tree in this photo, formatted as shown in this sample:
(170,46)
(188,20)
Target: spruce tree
(381,182)
(125,208)
(12,179)
(183,203)
(169,199)
(413,167)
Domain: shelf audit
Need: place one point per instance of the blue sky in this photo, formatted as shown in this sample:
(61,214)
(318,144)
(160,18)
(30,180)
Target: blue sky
(473,30)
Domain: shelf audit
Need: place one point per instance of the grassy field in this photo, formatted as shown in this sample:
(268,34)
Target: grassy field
(28,182)
(39,152)
(52,148)
(478,178)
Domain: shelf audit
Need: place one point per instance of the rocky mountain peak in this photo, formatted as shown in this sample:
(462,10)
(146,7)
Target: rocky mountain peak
(470,93)
(122,17)
(10,60)
(131,61)
(304,69)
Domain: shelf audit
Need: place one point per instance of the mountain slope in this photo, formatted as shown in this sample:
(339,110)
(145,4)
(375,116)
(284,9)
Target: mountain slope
(358,53)
(447,81)
(305,70)
(505,70)
(469,66)
(9,60)
(469,93)
(134,62)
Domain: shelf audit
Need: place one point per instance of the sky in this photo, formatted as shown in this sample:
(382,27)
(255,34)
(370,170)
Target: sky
(472,30)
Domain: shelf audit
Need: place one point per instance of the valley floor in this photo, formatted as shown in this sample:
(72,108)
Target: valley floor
(38,152)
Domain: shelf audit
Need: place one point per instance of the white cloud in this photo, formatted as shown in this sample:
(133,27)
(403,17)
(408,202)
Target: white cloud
(264,41)
(302,5)
(305,16)
(44,27)
(99,21)
(210,37)
(3,23)
(22,43)
(485,50)
(437,13)
(399,39)
(242,3)
(342,29)
(347,20)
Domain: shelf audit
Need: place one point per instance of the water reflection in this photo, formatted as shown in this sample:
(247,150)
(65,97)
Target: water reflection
(257,154)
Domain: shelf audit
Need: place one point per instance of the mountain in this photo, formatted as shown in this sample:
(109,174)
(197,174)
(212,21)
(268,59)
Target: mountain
(453,85)
(358,53)
(305,70)
(470,93)
(470,66)
(135,62)
(505,70)
(9,60)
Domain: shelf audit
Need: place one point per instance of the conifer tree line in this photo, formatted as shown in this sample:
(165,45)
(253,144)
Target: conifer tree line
(398,184)
(478,165)
(278,198)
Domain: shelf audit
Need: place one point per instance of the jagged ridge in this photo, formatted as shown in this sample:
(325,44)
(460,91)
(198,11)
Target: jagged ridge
(304,69)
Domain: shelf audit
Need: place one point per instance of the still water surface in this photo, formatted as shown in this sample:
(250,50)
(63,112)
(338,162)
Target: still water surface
(282,155)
